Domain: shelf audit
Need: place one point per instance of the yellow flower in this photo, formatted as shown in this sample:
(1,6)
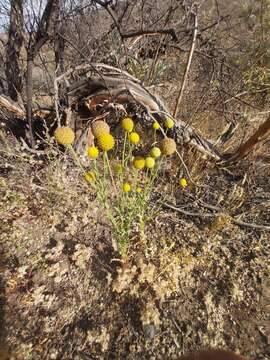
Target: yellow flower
(134,138)
(99,128)
(155,152)
(139,162)
(139,190)
(169,123)
(126,187)
(64,135)
(156,125)
(90,176)
(127,124)
(183,182)
(149,162)
(106,142)
(168,146)
(92,152)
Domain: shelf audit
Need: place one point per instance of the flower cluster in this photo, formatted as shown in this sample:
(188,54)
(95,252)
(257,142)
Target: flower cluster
(123,182)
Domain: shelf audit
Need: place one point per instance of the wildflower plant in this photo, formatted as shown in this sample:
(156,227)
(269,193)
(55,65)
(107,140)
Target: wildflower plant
(123,183)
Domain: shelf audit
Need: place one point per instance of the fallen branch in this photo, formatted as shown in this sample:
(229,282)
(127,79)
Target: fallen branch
(11,106)
(260,135)
(15,109)
(251,225)
(203,215)
(189,213)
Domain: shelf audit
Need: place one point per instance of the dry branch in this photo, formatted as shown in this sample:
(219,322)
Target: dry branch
(131,34)
(190,55)
(11,106)
(14,109)
(170,32)
(260,135)
(206,215)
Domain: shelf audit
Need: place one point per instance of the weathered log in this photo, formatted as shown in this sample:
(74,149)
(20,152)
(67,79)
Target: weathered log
(95,83)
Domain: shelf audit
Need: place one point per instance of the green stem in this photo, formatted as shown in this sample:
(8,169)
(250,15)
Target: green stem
(109,168)
(75,157)
(124,150)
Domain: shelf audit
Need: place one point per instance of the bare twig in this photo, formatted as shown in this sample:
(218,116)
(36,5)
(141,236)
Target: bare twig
(240,100)
(204,55)
(189,213)
(251,225)
(170,32)
(215,23)
(191,52)
(131,34)
(234,220)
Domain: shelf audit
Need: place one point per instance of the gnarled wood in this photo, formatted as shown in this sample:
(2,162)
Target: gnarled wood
(260,135)
(95,83)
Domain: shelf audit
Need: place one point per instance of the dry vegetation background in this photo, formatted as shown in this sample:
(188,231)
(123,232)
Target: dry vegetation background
(199,277)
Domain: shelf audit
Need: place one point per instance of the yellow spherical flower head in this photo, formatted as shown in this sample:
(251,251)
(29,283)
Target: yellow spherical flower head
(183,182)
(127,124)
(139,162)
(90,176)
(99,128)
(126,187)
(169,123)
(156,125)
(168,146)
(134,138)
(155,152)
(149,162)
(64,135)
(106,142)
(92,152)
(139,190)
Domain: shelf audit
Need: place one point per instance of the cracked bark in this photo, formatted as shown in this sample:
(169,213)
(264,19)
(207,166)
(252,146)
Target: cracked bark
(15,41)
